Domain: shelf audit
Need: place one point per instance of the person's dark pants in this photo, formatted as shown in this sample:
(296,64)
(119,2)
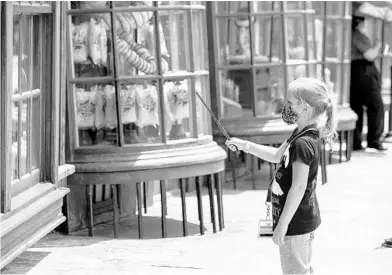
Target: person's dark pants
(365,90)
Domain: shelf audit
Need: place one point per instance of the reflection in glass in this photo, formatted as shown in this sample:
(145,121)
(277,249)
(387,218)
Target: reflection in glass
(96,117)
(269,91)
(174,40)
(334,47)
(202,115)
(15,133)
(296,37)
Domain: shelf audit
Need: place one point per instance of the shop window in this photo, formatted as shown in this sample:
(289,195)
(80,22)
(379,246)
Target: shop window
(134,68)
(25,81)
(333,40)
(261,46)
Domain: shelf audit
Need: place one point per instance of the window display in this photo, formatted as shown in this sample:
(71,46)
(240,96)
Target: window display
(133,84)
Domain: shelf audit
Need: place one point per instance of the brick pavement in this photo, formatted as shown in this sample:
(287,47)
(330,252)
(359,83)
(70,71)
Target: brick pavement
(356,210)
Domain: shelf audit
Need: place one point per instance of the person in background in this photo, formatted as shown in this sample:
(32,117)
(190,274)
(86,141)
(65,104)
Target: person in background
(365,89)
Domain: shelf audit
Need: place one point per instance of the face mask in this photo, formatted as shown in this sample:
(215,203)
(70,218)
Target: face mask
(288,115)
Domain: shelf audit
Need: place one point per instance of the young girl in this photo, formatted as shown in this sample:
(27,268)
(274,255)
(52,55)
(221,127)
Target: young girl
(295,208)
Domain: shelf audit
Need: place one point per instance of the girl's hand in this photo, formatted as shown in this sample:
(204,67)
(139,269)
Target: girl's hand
(279,233)
(239,143)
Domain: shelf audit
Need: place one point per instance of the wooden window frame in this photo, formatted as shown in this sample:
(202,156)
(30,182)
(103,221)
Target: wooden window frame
(74,148)
(49,104)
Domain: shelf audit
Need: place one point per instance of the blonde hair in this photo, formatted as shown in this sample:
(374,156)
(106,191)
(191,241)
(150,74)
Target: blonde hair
(314,92)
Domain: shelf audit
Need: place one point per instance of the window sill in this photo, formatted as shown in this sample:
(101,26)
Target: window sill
(65,171)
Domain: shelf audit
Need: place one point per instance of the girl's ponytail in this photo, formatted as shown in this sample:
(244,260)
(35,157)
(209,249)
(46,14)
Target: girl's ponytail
(329,131)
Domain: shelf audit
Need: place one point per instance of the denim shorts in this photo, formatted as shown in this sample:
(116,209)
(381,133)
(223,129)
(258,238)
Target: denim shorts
(296,254)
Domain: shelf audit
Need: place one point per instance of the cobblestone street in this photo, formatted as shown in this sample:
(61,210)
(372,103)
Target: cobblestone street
(356,210)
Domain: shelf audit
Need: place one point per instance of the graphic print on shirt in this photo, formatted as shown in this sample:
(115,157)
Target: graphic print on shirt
(275,187)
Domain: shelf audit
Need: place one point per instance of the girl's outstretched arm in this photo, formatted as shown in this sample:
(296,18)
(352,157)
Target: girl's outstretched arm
(268,153)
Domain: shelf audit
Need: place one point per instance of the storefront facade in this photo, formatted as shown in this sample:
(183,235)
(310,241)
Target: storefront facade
(32,106)
(134,120)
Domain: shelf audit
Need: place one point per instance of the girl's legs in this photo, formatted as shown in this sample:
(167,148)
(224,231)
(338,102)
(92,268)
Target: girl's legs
(296,254)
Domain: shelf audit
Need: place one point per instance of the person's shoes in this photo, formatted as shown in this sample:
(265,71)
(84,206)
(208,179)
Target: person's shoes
(358,148)
(377,146)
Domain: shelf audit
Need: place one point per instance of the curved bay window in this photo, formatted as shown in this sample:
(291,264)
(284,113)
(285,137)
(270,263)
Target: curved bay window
(137,84)
(134,70)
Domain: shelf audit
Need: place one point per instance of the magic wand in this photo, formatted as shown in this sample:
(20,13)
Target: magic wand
(224,132)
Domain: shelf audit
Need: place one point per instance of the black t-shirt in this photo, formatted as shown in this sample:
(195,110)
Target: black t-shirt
(304,147)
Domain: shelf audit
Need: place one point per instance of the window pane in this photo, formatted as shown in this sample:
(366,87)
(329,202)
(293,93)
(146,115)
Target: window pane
(21,57)
(296,71)
(346,85)
(175,40)
(177,115)
(296,37)
(269,91)
(203,117)
(233,41)
(96,117)
(295,5)
(319,27)
(15,134)
(23,140)
(263,6)
(335,8)
(36,133)
(140,112)
(311,39)
(231,6)
(334,47)
(268,36)
(318,6)
(199,34)
(315,71)
(333,79)
(347,43)
(91,45)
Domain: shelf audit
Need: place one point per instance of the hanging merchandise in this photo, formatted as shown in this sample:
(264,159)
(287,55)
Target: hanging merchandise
(99,106)
(110,107)
(85,108)
(128,104)
(79,39)
(147,99)
(97,42)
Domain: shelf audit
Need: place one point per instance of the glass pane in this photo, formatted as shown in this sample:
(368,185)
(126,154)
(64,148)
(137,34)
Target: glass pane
(268,35)
(270,91)
(140,112)
(21,59)
(335,8)
(200,43)
(236,93)
(15,134)
(91,45)
(263,6)
(203,117)
(347,43)
(233,41)
(23,146)
(319,28)
(96,117)
(334,49)
(315,71)
(296,71)
(296,37)
(231,6)
(175,41)
(346,86)
(333,79)
(89,5)
(137,47)
(318,6)
(177,115)
(311,40)
(295,5)
(35,133)
(147,99)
